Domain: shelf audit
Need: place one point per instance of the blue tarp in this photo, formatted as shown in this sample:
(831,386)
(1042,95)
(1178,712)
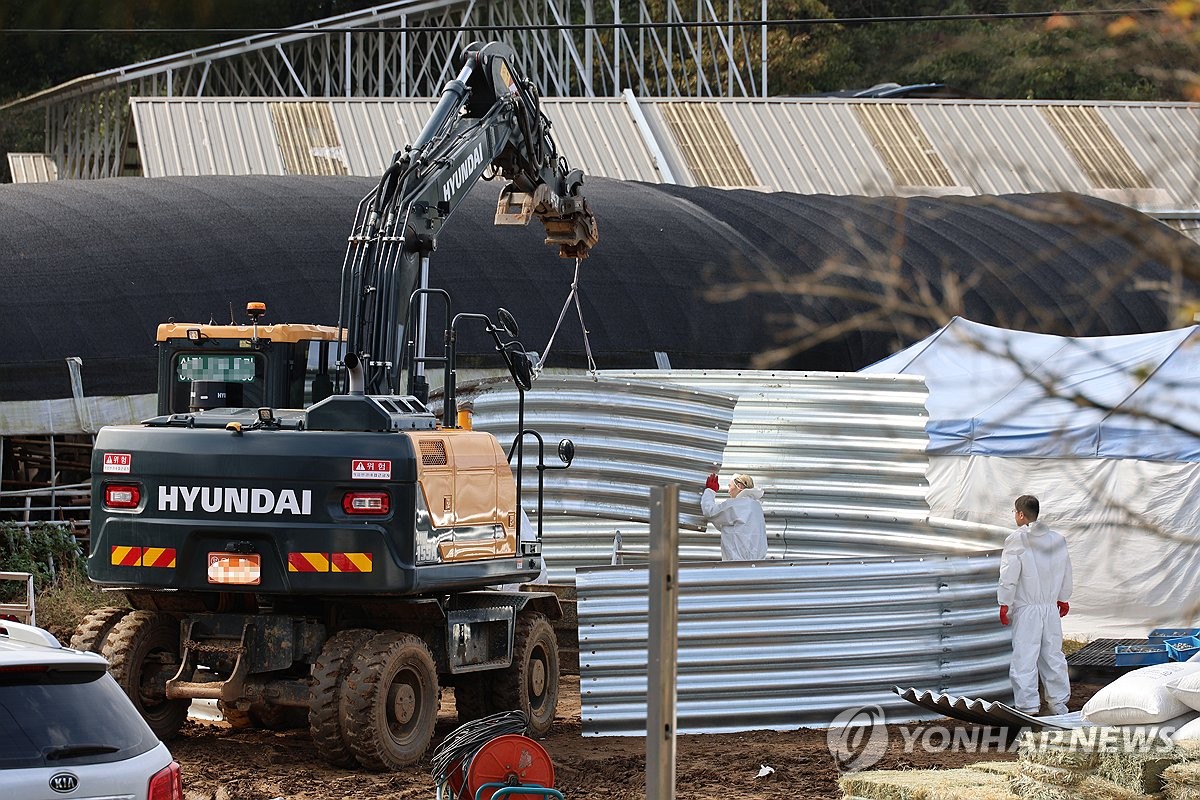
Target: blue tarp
(1010,393)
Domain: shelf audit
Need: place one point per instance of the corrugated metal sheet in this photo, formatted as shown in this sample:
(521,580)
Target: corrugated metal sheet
(32,168)
(787,644)
(816,146)
(985,712)
(236,136)
(628,436)
(206,137)
(707,144)
(1091,142)
(308,140)
(804,145)
(841,456)
(902,144)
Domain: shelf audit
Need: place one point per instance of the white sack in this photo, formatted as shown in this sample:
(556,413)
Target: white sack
(1186,688)
(1140,697)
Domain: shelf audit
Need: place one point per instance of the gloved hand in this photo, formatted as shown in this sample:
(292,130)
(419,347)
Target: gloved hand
(1003,615)
(1063,608)
(713,483)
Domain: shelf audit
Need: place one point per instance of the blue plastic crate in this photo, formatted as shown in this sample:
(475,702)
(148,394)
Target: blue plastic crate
(1159,635)
(1141,655)
(1182,648)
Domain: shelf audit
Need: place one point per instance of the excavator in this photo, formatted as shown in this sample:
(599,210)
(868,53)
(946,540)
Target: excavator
(298,535)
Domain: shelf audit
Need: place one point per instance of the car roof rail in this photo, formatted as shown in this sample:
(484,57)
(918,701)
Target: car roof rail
(20,632)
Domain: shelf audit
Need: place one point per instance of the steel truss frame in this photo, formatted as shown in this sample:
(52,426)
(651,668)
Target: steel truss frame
(656,48)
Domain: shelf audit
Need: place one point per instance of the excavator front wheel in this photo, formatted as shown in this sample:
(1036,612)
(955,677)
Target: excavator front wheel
(391,700)
(531,683)
(143,654)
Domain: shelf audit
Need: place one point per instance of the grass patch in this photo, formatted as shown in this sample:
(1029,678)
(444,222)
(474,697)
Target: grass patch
(63,606)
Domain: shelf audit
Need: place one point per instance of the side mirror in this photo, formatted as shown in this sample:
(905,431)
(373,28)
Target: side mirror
(522,369)
(566,451)
(508,323)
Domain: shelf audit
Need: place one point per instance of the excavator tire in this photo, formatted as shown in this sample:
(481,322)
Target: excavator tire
(94,628)
(325,710)
(391,700)
(473,697)
(143,653)
(531,683)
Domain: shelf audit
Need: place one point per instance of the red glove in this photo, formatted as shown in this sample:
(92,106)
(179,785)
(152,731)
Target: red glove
(713,483)
(1003,615)
(1063,608)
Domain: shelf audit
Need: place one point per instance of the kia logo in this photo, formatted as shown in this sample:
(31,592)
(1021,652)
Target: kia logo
(64,782)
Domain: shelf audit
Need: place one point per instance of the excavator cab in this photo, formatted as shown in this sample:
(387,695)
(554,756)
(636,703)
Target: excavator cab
(208,366)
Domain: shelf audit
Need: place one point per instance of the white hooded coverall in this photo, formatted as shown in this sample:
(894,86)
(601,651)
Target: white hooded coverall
(741,523)
(1035,575)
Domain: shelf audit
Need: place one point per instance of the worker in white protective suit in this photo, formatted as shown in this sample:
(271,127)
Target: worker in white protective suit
(739,519)
(1034,594)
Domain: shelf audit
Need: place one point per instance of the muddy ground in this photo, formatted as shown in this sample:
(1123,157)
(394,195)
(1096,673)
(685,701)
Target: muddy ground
(220,763)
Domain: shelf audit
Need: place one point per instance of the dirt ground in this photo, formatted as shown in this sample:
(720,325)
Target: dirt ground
(220,763)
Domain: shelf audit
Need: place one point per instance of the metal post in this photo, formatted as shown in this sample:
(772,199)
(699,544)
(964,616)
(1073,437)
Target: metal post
(661,649)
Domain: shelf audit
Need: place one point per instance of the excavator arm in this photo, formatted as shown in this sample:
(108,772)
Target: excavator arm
(487,124)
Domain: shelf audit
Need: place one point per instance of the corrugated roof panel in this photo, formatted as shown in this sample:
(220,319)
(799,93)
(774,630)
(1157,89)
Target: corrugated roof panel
(308,139)
(599,136)
(708,144)
(251,136)
(228,136)
(1150,133)
(808,147)
(32,168)
(1087,136)
(902,143)
(373,130)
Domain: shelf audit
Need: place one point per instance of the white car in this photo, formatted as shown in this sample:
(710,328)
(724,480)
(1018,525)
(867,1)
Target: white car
(67,730)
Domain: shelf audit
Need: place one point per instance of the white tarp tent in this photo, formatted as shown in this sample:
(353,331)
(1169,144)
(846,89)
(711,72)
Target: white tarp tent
(1104,430)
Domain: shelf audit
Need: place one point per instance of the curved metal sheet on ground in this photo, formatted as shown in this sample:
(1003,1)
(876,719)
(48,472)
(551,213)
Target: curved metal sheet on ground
(985,712)
(628,435)
(787,644)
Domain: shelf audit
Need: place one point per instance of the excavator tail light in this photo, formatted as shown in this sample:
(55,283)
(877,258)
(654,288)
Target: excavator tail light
(122,495)
(366,503)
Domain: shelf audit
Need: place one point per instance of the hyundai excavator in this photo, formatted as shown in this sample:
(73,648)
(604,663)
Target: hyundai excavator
(331,564)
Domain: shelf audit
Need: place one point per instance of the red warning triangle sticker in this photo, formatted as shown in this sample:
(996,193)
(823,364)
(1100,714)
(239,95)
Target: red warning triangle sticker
(359,465)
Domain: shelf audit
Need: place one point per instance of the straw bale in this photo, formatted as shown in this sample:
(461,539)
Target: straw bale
(1182,781)
(1008,768)
(1090,788)
(1063,749)
(1054,776)
(1139,771)
(926,784)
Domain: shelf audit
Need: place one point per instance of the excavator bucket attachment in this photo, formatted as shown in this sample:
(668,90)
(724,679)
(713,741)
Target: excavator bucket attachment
(573,227)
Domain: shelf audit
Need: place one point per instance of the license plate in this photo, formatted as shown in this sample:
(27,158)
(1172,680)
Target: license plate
(235,569)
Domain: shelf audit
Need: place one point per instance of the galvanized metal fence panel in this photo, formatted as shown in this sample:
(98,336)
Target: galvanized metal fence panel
(841,456)
(787,644)
(629,436)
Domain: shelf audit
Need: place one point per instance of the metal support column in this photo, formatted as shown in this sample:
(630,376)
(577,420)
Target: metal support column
(662,642)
